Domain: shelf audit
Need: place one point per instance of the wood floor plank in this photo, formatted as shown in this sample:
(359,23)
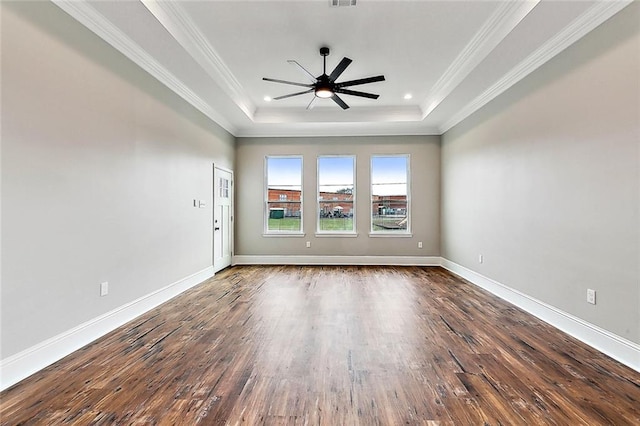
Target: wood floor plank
(352,345)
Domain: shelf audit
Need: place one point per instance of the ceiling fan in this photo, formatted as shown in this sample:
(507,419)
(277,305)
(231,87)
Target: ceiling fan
(325,86)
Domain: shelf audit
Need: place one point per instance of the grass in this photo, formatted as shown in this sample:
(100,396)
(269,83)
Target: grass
(326,224)
(285,224)
(336,224)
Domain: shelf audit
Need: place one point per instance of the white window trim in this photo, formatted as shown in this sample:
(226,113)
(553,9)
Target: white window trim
(353,232)
(337,234)
(388,234)
(407,232)
(284,234)
(265,200)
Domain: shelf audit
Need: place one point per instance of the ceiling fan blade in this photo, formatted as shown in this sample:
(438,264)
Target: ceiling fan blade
(339,101)
(311,104)
(360,81)
(356,93)
(307,74)
(288,82)
(344,63)
(292,94)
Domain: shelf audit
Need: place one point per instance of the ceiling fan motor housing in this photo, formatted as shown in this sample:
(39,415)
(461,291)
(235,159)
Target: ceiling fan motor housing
(324,87)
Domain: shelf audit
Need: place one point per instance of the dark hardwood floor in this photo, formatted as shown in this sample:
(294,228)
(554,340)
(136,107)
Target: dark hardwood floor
(331,346)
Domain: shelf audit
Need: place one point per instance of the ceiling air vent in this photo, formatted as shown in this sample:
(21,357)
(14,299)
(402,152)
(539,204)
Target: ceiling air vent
(341,3)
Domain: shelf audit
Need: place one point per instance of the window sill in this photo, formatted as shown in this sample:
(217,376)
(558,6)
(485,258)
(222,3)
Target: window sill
(284,234)
(337,234)
(389,234)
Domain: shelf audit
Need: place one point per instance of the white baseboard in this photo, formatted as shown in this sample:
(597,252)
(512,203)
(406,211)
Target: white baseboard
(618,348)
(337,260)
(25,363)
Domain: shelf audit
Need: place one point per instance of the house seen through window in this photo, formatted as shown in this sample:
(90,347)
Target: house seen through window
(283,204)
(336,192)
(390,194)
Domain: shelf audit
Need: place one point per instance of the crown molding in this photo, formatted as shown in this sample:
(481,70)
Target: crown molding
(268,130)
(182,28)
(507,16)
(332,114)
(82,12)
(582,25)
(176,21)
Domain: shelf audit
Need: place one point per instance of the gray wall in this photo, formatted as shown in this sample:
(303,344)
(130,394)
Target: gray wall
(100,164)
(545,183)
(425,197)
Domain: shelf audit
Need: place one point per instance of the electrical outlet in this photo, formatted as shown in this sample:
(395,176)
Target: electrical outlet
(591,296)
(308,244)
(104,288)
(419,244)
(480,258)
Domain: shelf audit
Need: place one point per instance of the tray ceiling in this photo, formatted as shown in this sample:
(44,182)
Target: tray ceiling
(451,57)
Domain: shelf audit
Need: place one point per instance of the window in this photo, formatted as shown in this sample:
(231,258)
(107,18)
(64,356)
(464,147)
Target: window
(224,188)
(390,194)
(283,195)
(336,191)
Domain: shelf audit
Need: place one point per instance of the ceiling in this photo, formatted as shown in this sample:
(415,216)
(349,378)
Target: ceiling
(452,57)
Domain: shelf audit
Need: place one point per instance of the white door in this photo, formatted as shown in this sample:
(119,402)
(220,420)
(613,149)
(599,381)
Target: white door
(222,218)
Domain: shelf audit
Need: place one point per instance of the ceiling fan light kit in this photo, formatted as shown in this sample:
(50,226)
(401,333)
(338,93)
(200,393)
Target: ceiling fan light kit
(325,86)
(323,92)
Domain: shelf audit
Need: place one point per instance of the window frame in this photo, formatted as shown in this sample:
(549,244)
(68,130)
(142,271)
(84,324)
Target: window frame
(265,203)
(388,233)
(336,233)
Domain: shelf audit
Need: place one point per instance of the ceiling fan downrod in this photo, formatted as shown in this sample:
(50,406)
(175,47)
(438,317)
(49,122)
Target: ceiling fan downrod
(324,52)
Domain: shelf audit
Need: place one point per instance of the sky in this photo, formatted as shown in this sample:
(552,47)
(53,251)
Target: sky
(389,169)
(285,172)
(336,171)
(389,175)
